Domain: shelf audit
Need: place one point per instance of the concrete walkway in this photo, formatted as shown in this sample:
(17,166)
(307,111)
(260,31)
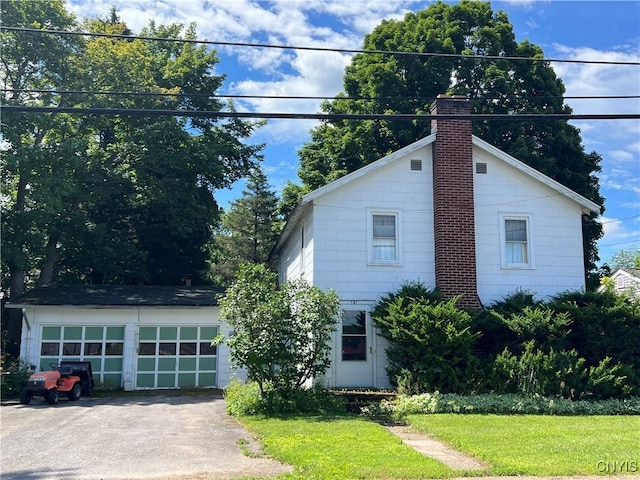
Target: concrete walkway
(436,450)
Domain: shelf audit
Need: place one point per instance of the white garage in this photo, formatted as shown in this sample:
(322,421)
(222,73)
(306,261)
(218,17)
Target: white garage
(136,337)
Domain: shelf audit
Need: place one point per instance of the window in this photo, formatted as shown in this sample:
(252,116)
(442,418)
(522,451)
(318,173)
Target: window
(354,336)
(516,242)
(384,238)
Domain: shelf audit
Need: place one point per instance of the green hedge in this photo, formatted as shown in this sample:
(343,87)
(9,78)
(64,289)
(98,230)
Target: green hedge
(429,403)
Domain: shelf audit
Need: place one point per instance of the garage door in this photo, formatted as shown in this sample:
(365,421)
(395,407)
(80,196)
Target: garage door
(176,357)
(100,345)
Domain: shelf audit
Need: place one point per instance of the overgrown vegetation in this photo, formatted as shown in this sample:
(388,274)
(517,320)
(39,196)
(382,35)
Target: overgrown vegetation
(578,345)
(13,376)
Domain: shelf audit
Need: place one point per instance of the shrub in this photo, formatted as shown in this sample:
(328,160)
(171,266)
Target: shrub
(604,324)
(508,404)
(281,335)
(431,340)
(248,399)
(557,373)
(14,374)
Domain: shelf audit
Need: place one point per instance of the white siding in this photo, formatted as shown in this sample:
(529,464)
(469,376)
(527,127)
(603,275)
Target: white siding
(340,231)
(335,255)
(555,236)
(131,318)
(296,256)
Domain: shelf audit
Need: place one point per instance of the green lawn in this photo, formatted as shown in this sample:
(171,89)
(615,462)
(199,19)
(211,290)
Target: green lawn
(353,448)
(542,445)
(341,448)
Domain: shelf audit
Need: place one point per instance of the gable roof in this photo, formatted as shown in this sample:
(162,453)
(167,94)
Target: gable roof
(586,205)
(118,296)
(631,273)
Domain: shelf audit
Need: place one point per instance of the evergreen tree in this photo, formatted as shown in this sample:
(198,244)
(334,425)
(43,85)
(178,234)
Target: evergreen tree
(250,229)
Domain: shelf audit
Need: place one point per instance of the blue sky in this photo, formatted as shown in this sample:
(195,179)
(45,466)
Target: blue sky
(581,30)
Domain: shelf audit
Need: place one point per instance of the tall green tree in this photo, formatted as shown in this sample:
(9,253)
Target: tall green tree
(250,228)
(118,199)
(398,83)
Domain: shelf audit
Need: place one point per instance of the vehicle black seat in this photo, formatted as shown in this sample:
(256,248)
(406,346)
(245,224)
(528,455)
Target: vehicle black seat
(65,370)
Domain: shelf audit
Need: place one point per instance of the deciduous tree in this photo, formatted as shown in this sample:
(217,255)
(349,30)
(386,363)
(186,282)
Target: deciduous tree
(404,83)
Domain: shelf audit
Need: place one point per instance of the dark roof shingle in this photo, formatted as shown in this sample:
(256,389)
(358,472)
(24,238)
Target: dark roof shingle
(119,295)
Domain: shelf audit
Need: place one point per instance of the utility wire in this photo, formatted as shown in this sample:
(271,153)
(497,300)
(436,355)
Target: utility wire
(299,97)
(316,116)
(314,49)
(620,219)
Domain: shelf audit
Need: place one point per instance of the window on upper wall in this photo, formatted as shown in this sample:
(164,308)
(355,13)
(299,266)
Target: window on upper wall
(383,242)
(515,232)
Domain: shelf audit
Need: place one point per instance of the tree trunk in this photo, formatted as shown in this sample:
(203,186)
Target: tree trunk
(50,259)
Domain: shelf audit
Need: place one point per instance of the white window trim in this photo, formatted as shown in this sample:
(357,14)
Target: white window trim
(528,218)
(398,215)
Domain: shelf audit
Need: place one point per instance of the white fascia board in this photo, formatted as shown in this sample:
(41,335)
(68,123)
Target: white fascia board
(587,205)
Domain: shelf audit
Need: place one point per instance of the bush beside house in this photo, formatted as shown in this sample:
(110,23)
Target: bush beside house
(576,346)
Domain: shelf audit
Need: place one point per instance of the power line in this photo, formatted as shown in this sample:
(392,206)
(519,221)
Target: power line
(316,116)
(315,49)
(620,219)
(301,97)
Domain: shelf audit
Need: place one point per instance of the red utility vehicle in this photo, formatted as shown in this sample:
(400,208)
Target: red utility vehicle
(72,379)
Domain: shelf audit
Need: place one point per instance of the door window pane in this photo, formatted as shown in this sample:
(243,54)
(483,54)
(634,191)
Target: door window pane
(147,349)
(354,336)
(50,348)
(188,348)
(113,348)
(166,348)
(93,348)
(71,349)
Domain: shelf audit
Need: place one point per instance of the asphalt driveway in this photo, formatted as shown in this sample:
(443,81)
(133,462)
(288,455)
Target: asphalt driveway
(132,437)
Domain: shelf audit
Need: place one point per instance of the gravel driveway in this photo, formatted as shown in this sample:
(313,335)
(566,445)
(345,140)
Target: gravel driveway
(132,437)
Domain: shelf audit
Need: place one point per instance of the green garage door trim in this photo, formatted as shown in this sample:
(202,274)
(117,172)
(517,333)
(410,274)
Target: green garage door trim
(100,345)
(176,357)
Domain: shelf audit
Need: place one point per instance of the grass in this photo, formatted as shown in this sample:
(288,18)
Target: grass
(343,447)
(349,447)
(542,445)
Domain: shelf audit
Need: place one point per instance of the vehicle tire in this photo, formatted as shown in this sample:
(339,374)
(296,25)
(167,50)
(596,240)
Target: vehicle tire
(75,392)
(25,397)
(53,396)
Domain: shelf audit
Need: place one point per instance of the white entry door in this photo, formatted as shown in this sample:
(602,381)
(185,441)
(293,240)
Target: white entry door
(354,350)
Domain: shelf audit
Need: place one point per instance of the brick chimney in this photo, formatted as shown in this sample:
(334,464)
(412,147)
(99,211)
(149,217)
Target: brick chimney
(453,203)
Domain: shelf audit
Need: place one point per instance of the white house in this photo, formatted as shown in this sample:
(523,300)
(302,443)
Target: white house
(449,210)
(626,280)
(136,337)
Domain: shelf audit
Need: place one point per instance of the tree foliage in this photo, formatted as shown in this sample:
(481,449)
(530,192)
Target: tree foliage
(250,229)
(281,335)
(110,199)
(396,83)
(625,258)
